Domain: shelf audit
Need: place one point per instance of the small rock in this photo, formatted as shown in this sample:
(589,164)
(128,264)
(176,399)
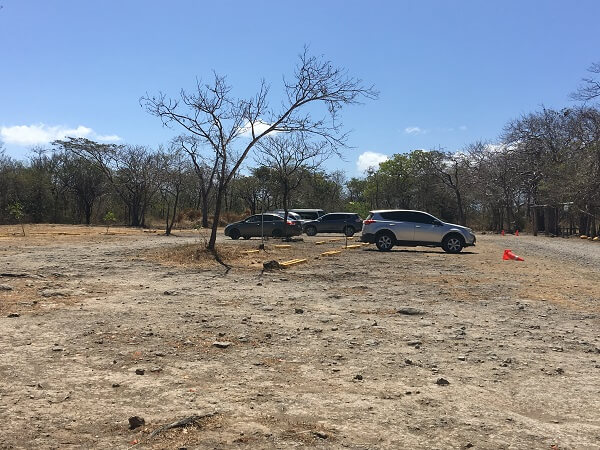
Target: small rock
(136,422)
(5,287)
(408,362)
(116,385)
(299,311)
(462,358)
(358,377)
(414,343)
(156,369)
(409,311)
(13,315)
(221,344)
(160,354)
(168,292)
(320,434)
(140,371)
(442,382)
(272,265)
(57,349)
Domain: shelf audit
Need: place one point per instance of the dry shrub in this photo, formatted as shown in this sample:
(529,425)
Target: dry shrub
(196,255)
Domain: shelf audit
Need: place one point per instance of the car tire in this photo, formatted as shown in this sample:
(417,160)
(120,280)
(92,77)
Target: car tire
(453,243)
(385,241)
(234,234)
(310,230)
(349,231)
(276,233)
(246,237)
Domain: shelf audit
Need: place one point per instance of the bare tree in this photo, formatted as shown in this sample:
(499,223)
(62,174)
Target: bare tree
(590,88)
(290,159)
(131,170)
(172,177)
(205,167)
(231,127)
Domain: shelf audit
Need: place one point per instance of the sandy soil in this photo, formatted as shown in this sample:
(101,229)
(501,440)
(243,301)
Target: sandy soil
(317,355)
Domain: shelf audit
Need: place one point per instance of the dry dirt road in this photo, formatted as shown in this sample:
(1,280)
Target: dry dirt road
(494,354)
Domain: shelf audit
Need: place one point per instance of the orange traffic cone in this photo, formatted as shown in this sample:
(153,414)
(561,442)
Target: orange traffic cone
(508,254)
(502,232)
(516,232)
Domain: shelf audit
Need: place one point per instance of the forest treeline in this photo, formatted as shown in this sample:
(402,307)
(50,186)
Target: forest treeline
(542,174)
(545,172)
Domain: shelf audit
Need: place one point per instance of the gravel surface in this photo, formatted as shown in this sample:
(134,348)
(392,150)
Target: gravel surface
(412,348)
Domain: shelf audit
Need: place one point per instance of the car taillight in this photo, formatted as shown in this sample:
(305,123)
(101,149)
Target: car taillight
(368,222)
(289,222)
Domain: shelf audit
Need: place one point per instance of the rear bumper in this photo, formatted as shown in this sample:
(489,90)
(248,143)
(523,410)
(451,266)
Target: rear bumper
(368,237)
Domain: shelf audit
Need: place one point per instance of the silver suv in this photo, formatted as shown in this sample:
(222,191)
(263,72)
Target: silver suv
(390,227)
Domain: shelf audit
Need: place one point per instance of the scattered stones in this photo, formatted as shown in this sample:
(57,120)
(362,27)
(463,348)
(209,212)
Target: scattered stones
(221,344)
(409,311)
(13,315)
(442,382)
(358,377)
(5,287)
(136,422)
(299,311)
(140,371)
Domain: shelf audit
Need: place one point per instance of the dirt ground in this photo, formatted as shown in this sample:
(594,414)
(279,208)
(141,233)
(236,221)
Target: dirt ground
(493,354)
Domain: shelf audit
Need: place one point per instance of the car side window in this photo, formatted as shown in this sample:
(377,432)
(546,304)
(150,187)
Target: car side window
(253,219)
(269,218)
(418,217)
(396,216)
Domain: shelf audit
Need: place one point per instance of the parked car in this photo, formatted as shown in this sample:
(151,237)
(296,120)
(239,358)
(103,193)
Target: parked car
(347,223)
(262,225)
(294,217)
(387,228)
(309,214)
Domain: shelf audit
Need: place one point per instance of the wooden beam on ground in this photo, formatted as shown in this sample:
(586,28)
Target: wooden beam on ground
(353,246)
(320,242)
(331,253)
(335,240)
(251,251)
(291,262)
(282,246)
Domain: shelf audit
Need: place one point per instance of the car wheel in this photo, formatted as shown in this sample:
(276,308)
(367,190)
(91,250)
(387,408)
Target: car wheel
(311,231)
(385,241)
(246,237)
(453,244)
(276,233)
(234,234)
(349,231)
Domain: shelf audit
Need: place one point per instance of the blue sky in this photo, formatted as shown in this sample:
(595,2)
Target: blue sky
(448,72)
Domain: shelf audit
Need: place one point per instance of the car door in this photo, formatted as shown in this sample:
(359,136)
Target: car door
(327,223)
(251,226)
(426,229)
(400,224)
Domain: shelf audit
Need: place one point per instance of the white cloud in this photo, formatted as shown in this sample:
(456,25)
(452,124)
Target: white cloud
(367,160)
(463,128)
(44,134)
(259,127)
(413,130)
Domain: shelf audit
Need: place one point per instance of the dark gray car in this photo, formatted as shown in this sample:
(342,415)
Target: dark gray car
(262,225)
(347,223)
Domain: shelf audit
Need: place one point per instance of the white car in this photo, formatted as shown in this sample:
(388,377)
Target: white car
(386,228)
